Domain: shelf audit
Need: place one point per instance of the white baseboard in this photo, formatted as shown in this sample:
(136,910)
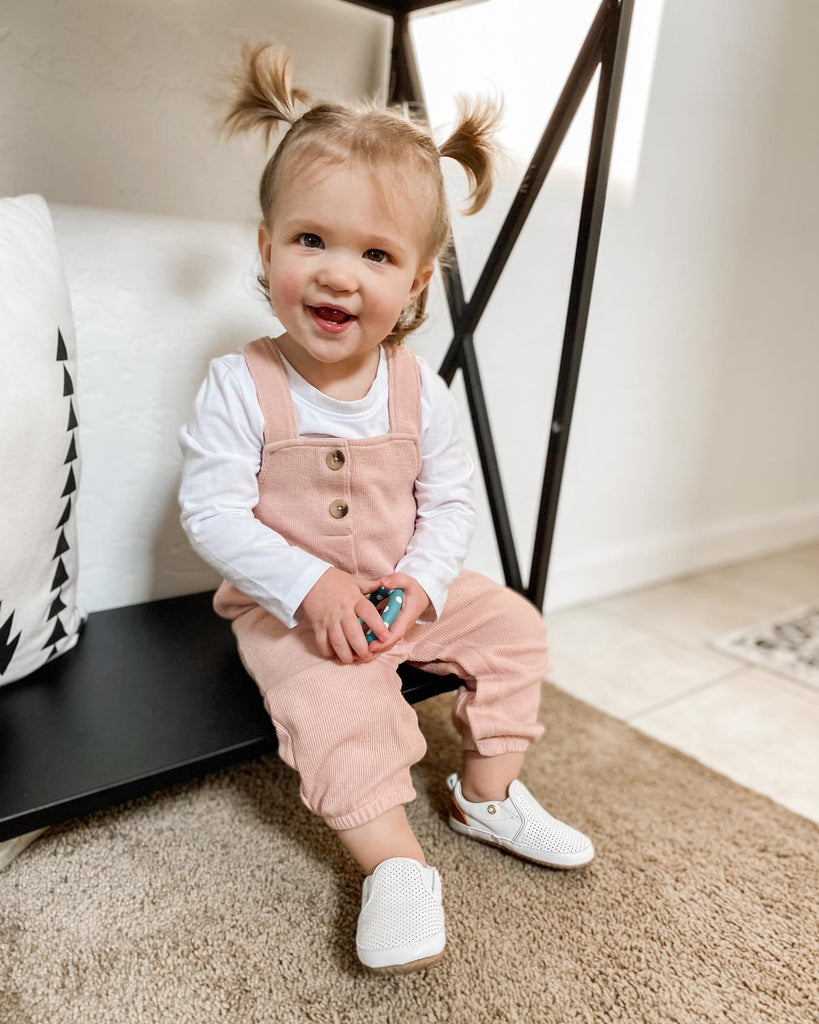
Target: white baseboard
(647,561)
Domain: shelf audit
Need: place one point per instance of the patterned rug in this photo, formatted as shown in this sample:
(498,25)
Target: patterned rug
(788,644)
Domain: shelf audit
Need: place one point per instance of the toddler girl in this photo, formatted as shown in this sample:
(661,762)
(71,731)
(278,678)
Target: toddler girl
(326,463)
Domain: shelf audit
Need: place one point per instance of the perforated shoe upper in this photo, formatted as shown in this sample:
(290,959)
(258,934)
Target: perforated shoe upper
(401,906)
(520,824)
(541,830)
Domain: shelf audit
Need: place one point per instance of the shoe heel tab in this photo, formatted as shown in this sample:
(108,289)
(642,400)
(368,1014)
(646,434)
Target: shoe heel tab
(519,790)
(456,812)
(452,782)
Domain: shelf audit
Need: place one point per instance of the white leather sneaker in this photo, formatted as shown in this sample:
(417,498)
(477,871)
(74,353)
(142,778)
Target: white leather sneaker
(519,824)
(401,924)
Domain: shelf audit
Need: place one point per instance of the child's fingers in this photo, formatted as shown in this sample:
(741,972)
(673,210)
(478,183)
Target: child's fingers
(356,639)
(337,636)
(400,626)
(371,617)
(322,643)
(379,646)
(369,586)
(396,580)
(395,633)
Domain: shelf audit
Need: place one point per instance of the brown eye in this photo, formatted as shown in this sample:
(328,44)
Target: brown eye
(310,241)
(376,256)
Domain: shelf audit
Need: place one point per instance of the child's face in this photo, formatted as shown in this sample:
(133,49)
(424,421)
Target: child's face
(342,259)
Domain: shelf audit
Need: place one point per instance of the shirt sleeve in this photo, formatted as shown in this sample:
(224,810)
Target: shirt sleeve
(222,449)
(445,519)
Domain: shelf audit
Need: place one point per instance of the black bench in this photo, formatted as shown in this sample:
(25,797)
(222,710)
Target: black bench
(153,694)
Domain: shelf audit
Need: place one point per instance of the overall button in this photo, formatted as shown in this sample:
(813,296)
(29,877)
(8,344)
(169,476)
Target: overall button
(339,509)
(335,460)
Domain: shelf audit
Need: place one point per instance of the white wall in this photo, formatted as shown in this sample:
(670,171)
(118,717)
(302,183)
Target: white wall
(696,423)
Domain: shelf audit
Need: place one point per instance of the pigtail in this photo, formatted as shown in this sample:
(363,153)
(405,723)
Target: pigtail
(472,144)
(264,94)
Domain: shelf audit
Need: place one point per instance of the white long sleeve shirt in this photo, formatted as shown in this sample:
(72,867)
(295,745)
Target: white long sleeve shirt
(222,448)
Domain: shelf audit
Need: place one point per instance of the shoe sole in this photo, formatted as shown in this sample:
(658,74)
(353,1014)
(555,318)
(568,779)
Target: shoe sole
(498,844)
(408,968)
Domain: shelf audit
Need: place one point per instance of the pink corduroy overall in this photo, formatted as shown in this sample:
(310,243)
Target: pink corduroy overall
(347,729)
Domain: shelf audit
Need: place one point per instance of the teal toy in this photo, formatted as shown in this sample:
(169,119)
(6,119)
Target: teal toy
(390,612)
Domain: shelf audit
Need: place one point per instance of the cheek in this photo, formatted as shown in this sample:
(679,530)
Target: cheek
(286,284)
(392,300)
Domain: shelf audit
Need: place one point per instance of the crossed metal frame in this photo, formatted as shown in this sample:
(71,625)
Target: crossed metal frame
(605,47)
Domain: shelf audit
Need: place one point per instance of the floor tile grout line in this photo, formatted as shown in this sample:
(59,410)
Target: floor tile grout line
(706,647)
(685,694)
(625,619)
(778,675)
(701,647)
(733,590)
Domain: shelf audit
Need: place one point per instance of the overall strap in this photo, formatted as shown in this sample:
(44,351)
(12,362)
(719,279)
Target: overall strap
(405,390)
(272,389)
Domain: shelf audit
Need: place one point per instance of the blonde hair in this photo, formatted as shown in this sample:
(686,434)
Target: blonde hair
(265,98)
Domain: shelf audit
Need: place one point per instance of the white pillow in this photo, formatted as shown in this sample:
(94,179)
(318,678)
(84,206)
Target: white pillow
(39,462)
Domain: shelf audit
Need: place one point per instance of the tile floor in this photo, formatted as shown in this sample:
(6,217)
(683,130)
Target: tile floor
(646,657)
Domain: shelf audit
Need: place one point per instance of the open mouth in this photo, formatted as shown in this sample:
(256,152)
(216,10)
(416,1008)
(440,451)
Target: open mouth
(331,318)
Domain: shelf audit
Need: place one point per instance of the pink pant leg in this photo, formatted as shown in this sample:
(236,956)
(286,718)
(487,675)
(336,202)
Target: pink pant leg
(346,729)
(495,640)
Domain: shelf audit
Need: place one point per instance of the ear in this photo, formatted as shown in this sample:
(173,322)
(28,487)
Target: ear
(420,282)
(265,245)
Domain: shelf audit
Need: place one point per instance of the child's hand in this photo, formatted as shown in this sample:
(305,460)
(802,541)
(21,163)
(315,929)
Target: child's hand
(415,604)
(332,608)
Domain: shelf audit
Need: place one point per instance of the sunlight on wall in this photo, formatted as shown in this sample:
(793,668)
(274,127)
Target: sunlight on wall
(523,51)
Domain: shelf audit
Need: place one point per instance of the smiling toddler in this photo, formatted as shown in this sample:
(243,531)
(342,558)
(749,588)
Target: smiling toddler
(326,463)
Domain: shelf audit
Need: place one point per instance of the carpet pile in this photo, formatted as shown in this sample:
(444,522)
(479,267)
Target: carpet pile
(226,900)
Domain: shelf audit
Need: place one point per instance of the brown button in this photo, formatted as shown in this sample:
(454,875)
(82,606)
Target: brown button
(338,509)
(335,460)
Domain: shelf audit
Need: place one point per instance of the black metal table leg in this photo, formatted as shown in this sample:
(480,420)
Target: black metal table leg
(604,47)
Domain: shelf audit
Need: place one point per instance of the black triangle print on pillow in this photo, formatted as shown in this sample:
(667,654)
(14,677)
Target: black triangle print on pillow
(8,644)
(70,484)
(58,633)
(66,514)
(61,576)
(62,545)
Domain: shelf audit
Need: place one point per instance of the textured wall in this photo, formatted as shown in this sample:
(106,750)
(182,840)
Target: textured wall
(114,103)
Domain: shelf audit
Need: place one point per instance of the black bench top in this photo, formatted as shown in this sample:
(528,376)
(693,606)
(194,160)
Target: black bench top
(152,694)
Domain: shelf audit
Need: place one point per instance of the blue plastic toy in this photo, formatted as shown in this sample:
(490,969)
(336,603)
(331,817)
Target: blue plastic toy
(390,612)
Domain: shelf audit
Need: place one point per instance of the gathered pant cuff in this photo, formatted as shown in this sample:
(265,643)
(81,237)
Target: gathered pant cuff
(495,745)
(360,816)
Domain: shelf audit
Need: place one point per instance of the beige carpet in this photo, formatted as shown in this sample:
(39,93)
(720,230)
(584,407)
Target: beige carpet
(227,901)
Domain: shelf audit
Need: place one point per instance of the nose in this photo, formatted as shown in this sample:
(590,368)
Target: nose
(336,271)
